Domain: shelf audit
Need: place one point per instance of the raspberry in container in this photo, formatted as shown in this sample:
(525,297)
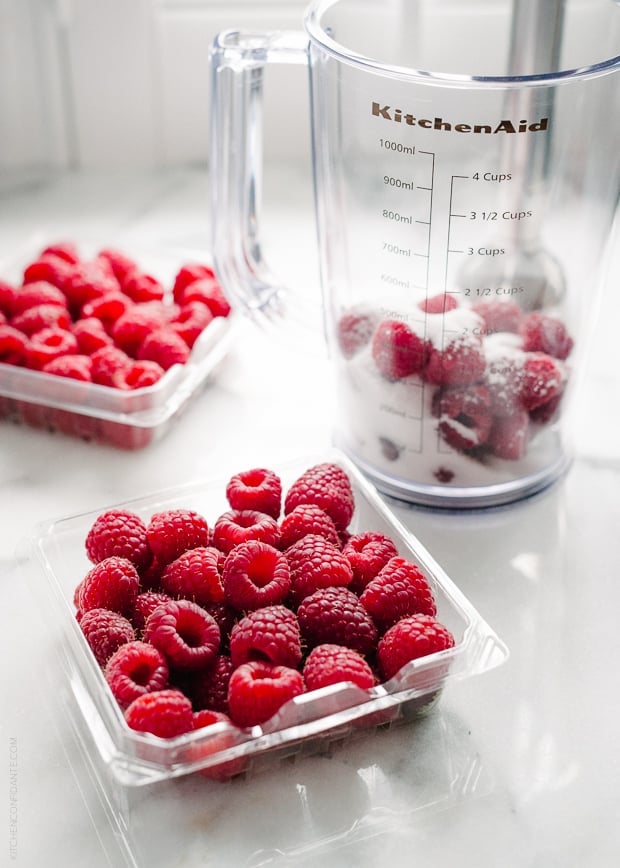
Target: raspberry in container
(105,346)
(163,629)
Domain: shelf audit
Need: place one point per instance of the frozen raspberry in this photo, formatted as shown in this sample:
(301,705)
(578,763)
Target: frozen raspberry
(400,589)
(327,486)
(255,574)
(541,382)
(137,323)
(107,361)
(499,316)
(52,269)
(90,335)
(397,350)
(111,584)
(165,713)
(184,632)
(134,669)
(316,563)
(196,575)
(441,303)
(209,688)
(271,633)
(210,293)
(330,664)
(88,280)
(464,415)
(36,294)
(141,287)
(508,437)
(409,639)
(138,375)
(105,631)
(461,363)
(188,274)
(73,366)
(257,690)
(304,519)
(191,320)
(119,262)
(241,525)
(259,489)
(42,316)
(336,616)
(354,332)
(503,379)
(107,308)
(12,345)
(119,533)
(63,250)
(545,334)
(145,604)
(174,531)
(367,553)
(547,412)
(165,347)
(48,344)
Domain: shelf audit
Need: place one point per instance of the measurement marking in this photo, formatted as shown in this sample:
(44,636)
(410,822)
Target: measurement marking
(458,215)
(454,250)
(419,187)
(421,255)
(424,222)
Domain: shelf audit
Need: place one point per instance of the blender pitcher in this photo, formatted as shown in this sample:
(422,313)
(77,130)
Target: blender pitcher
(466,169)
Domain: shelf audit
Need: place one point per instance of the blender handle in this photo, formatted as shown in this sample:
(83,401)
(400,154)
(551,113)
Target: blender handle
(235,163)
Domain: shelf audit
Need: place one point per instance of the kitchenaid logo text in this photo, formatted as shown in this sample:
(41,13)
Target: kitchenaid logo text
(397,116)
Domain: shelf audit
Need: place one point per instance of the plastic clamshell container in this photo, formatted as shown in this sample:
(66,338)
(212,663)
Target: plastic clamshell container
(130,759)
(123,419)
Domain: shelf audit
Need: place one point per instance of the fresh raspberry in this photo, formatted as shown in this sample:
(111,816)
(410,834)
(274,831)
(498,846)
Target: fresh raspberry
(191,320)
(327,486)
(119,262)
(119,533)
(133,326)
(441,303)
(461,363)
(409,639)
(209,688)
(7,298)
(107,308)
(52,269)
(107,361)
(145,604)
(397,350)
(141,287)
(138,375)
(354,332)
(196,575)
(508,437)
(207,717)
(367,553)
(304,519)
(188,274)
(73,366)
(241,525)
(165,347)
(63,250)
(88,280)
(257,690)
(134,669)
(400,589)
(174,531)
(111,584)
(330,664)
(542,381)
(464,415)
(42,316)
(499,316)
(216,743)
(258,489)
(208,292)
(225,618)
(35,294)
(316,563)
(336,616)
(48,344)
(3,319)
(255,574)
(183,631)
(165,713)
(545,334)
(105,631)
(13,345)
(271,633)
(90,335)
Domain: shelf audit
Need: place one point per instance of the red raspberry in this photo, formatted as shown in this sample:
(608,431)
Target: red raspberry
(145,604)
(48,344)
(63,250)
(105,631)
(545,334)
(141,287)
(304,519)
(464,415)
(255,574)
(196,575)
(134,669)
(35,319)
(542,381)
(409,639)
(111,584)
(225,617)
(191,321)
(12,345)
(138,375)
(367,553)
(257,690)
(52,269)
(241,525)
(174,531)
(259,489)
(119,533)
(165,713)
(36,294)
(503,379)
(336,616)
(216,743)
(207,717)
(209,687)
(509,436)
(316,563)
(90,335)
(400,589)
(330,664)
(354,332)
(271,633)
(397,350)
(183,631)
(107,308)
(72,366)
(87,280)
(499,316)
(441,303)
(547,412)
(137,323)
(188,274)
(7,298)
(208,292)
(461,363)
(327,486)
(120,263)
(107,361)
(165,347)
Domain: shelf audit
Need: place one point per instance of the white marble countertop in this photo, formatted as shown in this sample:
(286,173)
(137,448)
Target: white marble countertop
(519,767)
